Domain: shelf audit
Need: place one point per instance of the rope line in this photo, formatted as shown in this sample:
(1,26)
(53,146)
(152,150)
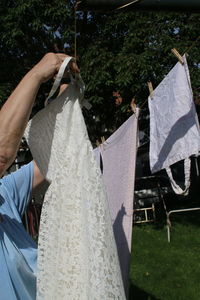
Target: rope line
(125,5)
(118,8)
(189,48)
(75,29)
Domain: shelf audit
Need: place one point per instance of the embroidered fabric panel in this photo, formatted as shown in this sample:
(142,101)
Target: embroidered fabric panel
(77,252)
(174,127)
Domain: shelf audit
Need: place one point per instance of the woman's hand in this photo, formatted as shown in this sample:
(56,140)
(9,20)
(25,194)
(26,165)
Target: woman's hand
(15,113)
(49,66)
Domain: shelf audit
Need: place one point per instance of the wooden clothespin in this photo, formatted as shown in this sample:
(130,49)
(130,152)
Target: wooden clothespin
(102,142)
(133,105)
(103,139)
(150,86)
(177,54)
(97,143)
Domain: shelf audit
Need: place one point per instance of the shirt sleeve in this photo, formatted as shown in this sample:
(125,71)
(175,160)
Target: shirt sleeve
(19,186)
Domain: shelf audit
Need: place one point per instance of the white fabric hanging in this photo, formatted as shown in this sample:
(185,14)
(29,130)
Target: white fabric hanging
(77,258)
(177,189)
(119,158)
(174,127)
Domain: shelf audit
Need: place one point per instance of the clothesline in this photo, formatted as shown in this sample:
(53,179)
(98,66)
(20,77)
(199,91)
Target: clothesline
(75,46)
(188,49)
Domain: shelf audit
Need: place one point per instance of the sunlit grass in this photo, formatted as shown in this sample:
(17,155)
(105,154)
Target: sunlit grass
(162,270)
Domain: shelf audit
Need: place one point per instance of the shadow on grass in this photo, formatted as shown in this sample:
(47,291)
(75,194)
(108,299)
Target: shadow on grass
(135,293)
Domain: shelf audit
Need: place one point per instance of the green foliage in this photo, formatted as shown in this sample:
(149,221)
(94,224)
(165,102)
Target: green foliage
(125,51)
(5,89)
(29,29)
(118,51)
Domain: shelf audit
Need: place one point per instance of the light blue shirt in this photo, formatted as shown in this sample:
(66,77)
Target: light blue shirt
(18,252)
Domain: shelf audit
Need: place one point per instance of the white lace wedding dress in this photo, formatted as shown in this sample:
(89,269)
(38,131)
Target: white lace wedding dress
(77,256)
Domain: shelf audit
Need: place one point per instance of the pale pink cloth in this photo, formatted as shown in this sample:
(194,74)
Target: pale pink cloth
(119,157)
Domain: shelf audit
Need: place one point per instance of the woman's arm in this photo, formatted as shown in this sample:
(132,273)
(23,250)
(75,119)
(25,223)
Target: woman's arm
(15,113)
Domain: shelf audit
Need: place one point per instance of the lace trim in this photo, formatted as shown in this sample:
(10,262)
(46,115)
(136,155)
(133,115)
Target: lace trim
(77,252)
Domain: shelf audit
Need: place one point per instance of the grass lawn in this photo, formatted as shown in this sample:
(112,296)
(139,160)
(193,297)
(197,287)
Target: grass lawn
(162,270)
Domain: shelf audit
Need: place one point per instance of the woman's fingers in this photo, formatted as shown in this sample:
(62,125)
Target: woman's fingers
(73,65)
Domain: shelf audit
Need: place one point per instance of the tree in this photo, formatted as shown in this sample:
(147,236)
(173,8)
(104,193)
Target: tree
(28,29)
(117,52)
(127,49)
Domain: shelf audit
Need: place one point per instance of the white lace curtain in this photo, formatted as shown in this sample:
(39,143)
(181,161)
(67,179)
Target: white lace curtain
(77,252)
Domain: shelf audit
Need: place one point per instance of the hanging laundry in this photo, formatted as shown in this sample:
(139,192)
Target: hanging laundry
(174,127)
(118,154)
(77,251)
